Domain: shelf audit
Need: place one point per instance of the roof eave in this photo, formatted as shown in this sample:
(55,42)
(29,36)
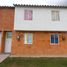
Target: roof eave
(47,6)
(7,6)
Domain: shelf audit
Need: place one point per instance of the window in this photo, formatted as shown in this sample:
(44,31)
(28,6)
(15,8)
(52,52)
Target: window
(28,15)
(55,15)
(28,38)
(8,34)
(54,38)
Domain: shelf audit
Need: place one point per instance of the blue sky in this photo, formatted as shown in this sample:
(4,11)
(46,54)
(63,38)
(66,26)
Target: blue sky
(42,2)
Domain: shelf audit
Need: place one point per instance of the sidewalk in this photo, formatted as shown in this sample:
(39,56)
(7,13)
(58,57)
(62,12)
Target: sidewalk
(3,57)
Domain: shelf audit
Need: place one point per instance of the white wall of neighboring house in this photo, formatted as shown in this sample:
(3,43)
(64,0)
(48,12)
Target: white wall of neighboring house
(42,20)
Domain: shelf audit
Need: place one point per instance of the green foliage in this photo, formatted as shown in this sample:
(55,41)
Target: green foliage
(34,62)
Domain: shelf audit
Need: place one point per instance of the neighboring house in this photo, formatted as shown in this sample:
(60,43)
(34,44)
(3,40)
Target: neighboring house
(6,28)
(38,30)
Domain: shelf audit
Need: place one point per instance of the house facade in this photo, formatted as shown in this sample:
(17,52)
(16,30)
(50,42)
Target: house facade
(6,28)
(34,30)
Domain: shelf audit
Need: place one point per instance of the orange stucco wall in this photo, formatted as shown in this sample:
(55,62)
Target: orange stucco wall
(41,44)
(6,23)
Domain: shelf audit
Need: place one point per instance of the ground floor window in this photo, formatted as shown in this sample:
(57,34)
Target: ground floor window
(28,38)
(54,39)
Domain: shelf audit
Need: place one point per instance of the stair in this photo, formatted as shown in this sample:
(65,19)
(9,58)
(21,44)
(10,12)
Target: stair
(3,57)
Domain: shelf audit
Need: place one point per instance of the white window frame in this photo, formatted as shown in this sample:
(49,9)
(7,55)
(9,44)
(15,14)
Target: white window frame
(25,39)
(54,42)
(55,17)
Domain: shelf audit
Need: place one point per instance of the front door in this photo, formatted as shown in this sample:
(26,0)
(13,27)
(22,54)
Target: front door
(8,41)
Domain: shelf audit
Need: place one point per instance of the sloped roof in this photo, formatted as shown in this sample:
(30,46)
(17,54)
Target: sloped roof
(36,5)
(7,6)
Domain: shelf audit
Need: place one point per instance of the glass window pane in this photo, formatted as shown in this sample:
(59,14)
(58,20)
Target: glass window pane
(8,34)
(56,38)
(29,38)
(55,15)
(52,38)
(28,15)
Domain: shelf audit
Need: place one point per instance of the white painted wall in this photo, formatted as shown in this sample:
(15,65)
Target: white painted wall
(41,20)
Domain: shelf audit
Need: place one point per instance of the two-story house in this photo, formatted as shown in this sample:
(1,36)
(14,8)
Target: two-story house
(39,30)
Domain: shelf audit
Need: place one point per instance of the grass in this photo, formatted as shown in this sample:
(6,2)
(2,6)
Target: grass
(34,62)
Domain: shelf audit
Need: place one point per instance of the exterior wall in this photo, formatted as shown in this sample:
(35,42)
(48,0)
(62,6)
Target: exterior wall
(0,40)
(41,44)
(3,42)
(41,19)
(6,19)
(41,40)
(6,23)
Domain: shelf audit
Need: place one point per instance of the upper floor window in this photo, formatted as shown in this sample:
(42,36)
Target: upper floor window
(28,14)
(55,15)
(54,38)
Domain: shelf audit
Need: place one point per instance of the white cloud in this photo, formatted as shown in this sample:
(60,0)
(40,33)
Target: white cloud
(42,2)
(6,2)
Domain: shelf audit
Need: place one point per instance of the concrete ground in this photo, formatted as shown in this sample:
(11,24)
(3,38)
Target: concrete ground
(3,57)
